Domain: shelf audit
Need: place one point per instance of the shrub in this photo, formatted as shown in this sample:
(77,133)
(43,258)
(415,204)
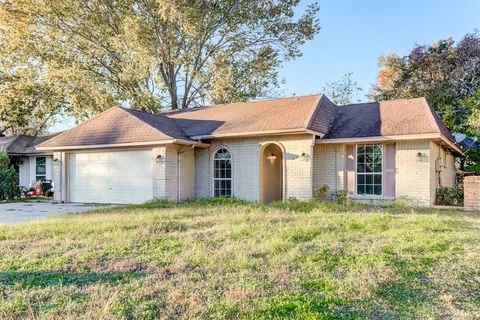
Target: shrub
(321,194)
(341,196)
(449,196)
(8,178)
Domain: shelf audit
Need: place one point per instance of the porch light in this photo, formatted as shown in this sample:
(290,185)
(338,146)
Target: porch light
(159,158)
(272,156)
(55,160)
(419,156)
(305,156)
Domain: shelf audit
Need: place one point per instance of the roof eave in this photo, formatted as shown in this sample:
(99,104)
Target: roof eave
(257,133)
(118,145)
(452,145)
(29,154)
(393,138)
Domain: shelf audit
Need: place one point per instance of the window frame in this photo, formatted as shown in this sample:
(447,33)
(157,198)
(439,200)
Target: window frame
(37,175)
(213,161)
(364,195)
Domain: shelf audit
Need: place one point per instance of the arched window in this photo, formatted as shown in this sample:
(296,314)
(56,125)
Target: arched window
(222,173)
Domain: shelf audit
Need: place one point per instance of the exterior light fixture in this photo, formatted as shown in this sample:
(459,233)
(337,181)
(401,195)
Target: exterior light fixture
(159,158)
(272,156)
(55,160)
(305,156)
(419,156)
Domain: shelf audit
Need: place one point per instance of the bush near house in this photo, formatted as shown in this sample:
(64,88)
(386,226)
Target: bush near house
(8,178)
(229,259)
(321,194)
(447,196)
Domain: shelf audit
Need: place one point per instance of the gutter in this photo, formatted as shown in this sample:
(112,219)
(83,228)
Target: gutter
(421,136)
(258,133)
(128,144)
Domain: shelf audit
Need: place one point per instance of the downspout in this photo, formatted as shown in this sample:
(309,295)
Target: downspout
(336,170)
(178,176)
(439,158)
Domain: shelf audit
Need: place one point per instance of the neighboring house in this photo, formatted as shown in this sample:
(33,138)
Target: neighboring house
(32,165)
(259,151)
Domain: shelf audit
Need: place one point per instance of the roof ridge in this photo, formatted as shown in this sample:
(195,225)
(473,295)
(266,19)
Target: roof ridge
(239,102)
(379,101)
(315,111)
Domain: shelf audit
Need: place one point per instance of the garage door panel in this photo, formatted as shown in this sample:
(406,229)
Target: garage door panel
(111,177)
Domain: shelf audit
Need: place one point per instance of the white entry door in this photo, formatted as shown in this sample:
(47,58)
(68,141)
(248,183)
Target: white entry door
(111,177)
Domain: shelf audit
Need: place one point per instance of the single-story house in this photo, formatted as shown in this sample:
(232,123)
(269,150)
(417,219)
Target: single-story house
(32,165)
(264,150)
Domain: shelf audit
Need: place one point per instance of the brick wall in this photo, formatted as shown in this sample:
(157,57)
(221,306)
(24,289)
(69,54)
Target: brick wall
(329,167)
(166,182)
(472,193)
(414,175)
(246,168)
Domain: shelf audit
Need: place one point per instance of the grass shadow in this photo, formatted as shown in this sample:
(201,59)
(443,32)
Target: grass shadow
(51,278)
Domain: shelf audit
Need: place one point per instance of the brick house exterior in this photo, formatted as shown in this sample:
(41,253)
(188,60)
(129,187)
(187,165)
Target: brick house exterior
(372,151)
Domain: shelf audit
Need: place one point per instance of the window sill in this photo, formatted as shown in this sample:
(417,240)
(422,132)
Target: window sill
(356,197)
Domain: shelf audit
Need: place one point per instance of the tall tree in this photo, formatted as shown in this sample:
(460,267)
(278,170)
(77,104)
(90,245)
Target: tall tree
(152,54)
(342,91)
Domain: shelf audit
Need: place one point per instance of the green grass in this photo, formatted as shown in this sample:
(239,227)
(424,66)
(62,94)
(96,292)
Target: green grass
(230,259)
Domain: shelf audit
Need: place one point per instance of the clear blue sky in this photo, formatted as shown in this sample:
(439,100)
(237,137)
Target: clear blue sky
(355,32)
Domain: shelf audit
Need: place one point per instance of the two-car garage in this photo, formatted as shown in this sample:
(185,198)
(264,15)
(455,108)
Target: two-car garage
(110,176)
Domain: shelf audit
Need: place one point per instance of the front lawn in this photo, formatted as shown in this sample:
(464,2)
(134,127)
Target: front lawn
(200,260)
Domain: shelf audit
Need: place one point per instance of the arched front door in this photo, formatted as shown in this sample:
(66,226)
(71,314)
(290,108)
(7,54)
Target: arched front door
(271,173)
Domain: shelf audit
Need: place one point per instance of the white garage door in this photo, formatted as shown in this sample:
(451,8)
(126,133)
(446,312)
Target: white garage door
(111,177)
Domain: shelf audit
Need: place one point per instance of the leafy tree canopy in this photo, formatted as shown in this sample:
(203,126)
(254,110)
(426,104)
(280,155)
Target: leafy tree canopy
(83,56)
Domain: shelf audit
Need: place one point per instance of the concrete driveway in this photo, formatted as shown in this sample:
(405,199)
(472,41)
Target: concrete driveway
(24,211)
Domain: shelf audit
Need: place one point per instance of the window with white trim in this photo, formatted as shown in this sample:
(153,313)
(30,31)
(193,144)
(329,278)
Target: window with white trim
(40,168)
(369,169)
(222,173)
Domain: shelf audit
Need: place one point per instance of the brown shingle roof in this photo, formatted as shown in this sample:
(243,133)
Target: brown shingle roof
(22,144)
(313,114)
(118,125)
(386,118)
(285,114)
